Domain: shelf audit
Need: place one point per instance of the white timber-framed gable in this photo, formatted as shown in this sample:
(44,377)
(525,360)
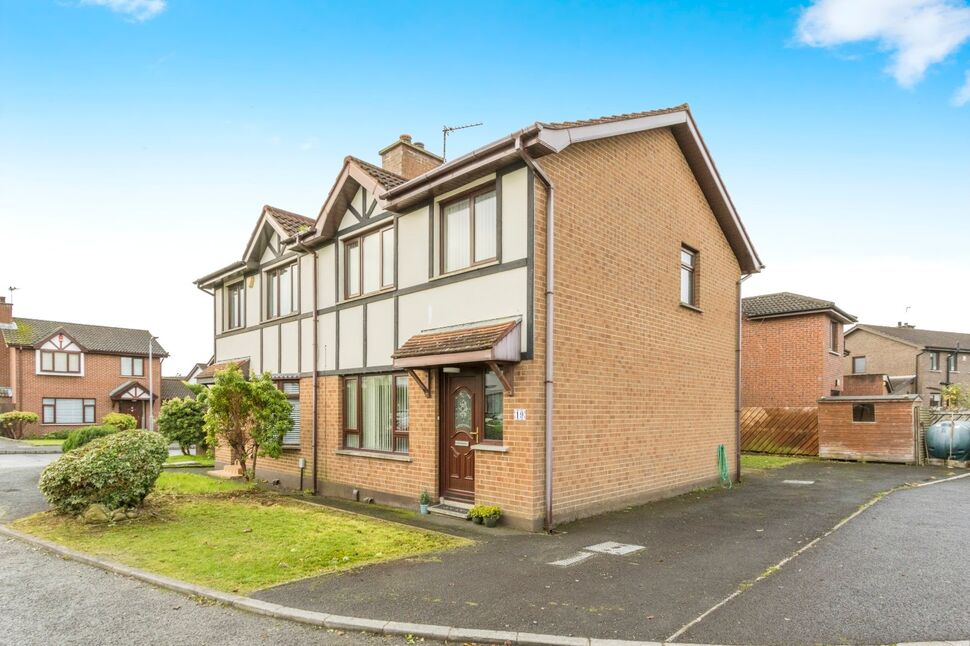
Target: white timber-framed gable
(59,356)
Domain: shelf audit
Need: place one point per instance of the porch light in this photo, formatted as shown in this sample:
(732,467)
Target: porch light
(451,370)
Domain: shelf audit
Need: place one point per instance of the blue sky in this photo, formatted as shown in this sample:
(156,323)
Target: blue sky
(141,137)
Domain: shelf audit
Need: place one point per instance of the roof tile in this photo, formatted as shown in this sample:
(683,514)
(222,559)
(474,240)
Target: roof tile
(94,338)
(386,178)
(454,340)
(292,223)
(783,303)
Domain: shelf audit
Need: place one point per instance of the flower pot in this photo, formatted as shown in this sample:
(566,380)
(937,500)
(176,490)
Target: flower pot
(477,520)
(423,508)
(491,521)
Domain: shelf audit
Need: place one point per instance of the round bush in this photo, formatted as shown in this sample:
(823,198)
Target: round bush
(121,421)
(116,471)
(81,436)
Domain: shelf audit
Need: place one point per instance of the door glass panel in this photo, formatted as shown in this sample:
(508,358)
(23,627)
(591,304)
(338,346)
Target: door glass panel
(463,411)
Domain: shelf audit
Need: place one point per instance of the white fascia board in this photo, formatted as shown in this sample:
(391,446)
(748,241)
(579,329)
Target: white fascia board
(559,138)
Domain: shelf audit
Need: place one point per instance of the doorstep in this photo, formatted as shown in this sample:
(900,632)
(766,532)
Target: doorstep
(452,508)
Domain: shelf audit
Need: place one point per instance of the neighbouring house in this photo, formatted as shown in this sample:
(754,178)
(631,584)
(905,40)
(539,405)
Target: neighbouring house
(881,428)
(193,376)
(791,355)
(173,387)
(909,359)
(429,340)
(791,350)
(72,374)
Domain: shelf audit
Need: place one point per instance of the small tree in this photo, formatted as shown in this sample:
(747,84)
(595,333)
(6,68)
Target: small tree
(251,417)
(12,423)
(182,421)
(955,396)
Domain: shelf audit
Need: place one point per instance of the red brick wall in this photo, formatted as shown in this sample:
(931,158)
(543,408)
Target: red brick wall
(6,316)
(645,388)
(102,374)
(865,385)
(891,438)
(788,361)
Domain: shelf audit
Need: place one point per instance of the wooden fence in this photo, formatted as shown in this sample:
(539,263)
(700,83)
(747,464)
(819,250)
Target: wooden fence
(782,431)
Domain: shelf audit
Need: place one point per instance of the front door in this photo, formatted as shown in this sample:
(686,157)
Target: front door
(460,428)
(133,408)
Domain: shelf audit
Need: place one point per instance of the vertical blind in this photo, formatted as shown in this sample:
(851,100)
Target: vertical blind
(485,229)
(376,407)
(457,222)
(292,390)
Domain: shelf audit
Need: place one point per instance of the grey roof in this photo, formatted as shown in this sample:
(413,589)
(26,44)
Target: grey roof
(870,398)
(787,303)
(922,338)
(93,338)
(615,117)
(174,387)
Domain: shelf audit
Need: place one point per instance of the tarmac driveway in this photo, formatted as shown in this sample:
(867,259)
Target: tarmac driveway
(697,550)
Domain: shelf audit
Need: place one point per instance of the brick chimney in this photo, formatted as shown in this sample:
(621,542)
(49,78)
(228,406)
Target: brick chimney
(6,310)
(408,159)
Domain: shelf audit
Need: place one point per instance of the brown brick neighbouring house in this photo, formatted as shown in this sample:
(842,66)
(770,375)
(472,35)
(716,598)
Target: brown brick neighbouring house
(72,374)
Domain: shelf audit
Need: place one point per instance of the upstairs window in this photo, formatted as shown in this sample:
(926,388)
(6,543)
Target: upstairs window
(234,306)
(951,362)
(934,360)
(132,367)
(369,263)
(834,334)
(863,412)
(469,231)
(281,292)
(858,365)
(56,361)
(688,276)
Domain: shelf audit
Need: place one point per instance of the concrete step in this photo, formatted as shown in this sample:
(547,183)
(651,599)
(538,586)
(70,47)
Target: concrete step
(450,508)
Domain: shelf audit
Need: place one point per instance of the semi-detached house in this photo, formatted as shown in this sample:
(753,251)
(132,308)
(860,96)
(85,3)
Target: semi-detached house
(549,323)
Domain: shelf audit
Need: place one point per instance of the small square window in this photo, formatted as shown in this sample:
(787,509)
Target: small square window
(858,365)
(863,412)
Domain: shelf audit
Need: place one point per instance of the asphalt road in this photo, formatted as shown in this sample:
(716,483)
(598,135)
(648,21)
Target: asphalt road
(18,485)
(899,572)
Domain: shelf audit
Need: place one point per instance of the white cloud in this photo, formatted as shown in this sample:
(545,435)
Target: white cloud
(962,96)
(919,33)
(137,10)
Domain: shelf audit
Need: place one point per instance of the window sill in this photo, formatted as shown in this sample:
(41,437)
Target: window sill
(59,374)
(493,448)
(272,320)
(394,457)
(692,308)
(465,270)
(291,447)
(361,297)
(835,353)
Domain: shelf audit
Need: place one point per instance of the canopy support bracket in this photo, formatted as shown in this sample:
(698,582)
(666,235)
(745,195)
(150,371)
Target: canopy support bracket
(425,387)
(505,378)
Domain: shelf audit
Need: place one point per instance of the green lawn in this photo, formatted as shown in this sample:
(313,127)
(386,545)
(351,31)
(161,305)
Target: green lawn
(201,460)
(768,461)
(44,442)
(237,539)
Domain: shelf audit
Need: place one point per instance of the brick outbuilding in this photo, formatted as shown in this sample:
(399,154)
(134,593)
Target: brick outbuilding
(879,428)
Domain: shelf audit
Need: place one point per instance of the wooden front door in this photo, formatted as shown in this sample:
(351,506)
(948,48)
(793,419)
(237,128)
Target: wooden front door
(462,418)
(132,408)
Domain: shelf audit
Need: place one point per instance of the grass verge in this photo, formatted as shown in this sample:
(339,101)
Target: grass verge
(44,442)
(200,460)
(769,461)
(232,537)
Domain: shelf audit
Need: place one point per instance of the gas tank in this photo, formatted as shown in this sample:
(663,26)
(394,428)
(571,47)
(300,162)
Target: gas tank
(947,439)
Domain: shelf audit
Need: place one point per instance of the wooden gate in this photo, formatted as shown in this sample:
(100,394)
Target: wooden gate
(781,431)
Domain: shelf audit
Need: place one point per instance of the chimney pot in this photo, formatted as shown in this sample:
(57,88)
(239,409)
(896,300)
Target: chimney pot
(3,299)
(408,159)
(406,138)
(419,144)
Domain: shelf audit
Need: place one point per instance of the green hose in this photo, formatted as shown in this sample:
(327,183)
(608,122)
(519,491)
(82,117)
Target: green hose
(722,467)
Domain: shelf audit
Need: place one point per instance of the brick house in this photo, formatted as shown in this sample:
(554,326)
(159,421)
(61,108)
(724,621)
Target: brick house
(791,350)
(913,361)
(428,341)
(72,374)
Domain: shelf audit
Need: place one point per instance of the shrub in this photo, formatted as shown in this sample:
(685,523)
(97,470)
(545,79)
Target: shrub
(58,435)
(181,420)
(116,471)
(121,421)
(485,511)
(12,423)
(81,436)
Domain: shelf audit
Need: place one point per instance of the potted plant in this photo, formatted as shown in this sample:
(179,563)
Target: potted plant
(423,501)
(487,515)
